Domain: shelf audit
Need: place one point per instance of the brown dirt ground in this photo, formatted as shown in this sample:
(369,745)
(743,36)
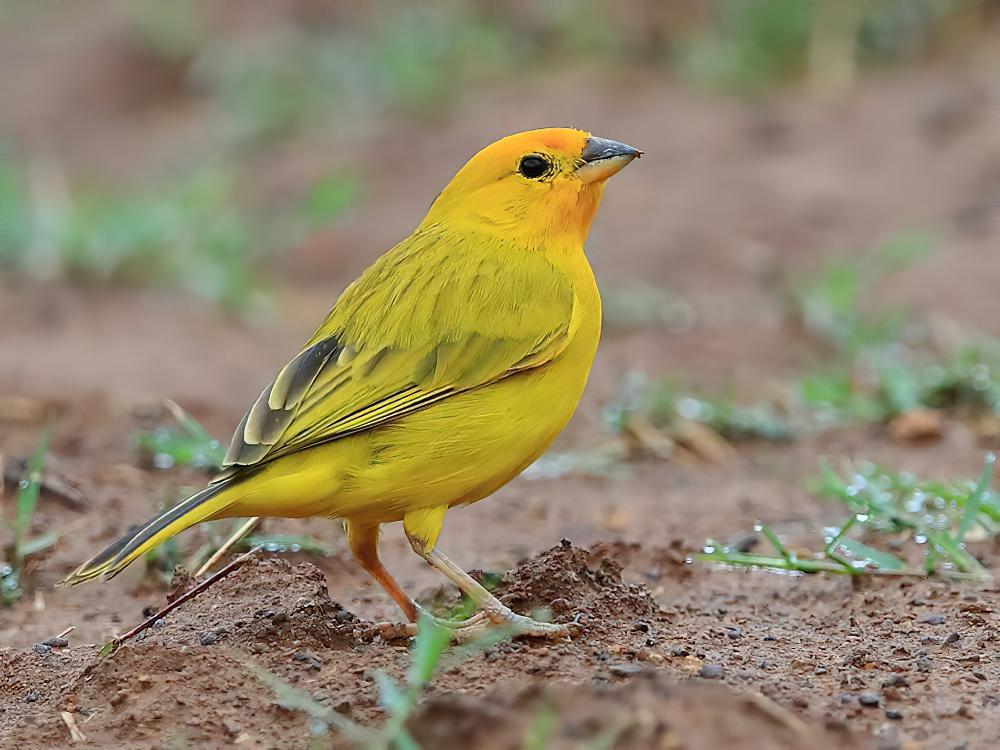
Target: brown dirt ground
(729,197)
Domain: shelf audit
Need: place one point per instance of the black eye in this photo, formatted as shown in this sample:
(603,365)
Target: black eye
(533,166)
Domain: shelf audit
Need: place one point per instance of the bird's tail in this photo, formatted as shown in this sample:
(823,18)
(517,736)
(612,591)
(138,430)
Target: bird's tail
(110,561)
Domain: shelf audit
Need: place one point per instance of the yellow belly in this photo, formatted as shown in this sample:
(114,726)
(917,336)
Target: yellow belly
(456,451)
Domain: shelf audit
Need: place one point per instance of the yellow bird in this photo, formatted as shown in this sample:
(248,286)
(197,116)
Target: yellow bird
(441,373)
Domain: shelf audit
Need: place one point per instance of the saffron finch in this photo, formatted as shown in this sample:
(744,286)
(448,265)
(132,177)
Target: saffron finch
(441,373)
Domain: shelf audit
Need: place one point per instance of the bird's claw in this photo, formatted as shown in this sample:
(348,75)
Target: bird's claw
(486,620)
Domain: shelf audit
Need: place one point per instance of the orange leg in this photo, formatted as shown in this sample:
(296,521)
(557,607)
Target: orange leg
(363,543)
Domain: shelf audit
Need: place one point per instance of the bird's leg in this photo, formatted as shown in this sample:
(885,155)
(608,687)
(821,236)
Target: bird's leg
(496,612)
(363,543)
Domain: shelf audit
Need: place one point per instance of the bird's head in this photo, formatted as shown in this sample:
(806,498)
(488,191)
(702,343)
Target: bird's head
(537,187)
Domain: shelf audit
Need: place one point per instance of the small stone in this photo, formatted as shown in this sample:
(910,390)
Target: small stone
(868,699)
(734,633)
(626,669)
(41,648)
(952,638)
(56,643)
(209,638)
(159,623)
(232,728)
(118,698)
(144,680)
(893,713)
(924,664)
(308,658)
(31,696)
(895,680)
(679,651)
(712,671)
(932,619)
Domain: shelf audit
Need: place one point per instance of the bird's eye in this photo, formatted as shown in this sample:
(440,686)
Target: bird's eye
(533,166)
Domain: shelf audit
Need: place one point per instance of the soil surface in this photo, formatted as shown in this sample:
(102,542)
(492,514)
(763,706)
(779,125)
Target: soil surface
(729,200)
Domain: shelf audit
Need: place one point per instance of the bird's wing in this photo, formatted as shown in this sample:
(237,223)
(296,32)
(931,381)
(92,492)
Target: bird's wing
(428,320)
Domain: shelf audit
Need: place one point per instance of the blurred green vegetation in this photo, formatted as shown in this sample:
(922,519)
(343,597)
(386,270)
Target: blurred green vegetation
(275,74)
(875,364)
(190,233)
(757,44)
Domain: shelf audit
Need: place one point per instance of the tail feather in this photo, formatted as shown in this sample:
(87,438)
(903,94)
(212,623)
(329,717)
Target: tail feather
(114,558)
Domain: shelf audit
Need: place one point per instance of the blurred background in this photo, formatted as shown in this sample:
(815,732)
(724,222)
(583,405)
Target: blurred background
(811,240)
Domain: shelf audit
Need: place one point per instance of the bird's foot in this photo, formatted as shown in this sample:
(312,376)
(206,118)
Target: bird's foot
(503,620)
(489,620)
(394,631)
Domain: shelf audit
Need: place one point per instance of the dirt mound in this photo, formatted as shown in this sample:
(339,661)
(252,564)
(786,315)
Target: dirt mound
(190,678)
(266,602)
(572,584)
(651,712)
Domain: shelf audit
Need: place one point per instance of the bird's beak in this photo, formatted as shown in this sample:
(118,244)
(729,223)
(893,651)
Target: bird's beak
(603,158)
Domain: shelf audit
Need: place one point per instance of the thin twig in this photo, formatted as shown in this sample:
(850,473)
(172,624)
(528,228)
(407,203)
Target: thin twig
(67,631)
(75,735)
(231,542)
(148,622)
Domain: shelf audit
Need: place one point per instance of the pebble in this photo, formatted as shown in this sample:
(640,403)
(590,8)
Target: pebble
(118,698)
(232,728)
(56,643)
(31,697)
(626,669)
(868,699)
(896,680)
(159,623)
(679,651)
(932,619)
(41,648)
(209,638)
(308,658)
(893,713)
(711,671)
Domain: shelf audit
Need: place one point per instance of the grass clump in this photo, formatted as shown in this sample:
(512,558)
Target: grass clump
(754,45)
(928,519)
(22,545)
(285,81)
(188,233)
(884,365)
(668,408)
(188,444)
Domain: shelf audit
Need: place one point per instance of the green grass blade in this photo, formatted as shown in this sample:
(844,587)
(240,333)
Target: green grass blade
(431,641)
(27,494)
(973,504)
(862,553)
(776,543)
